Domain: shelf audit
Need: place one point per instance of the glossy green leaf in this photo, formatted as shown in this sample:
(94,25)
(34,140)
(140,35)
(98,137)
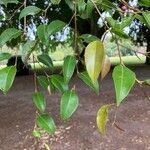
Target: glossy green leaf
(29,10)
(88,38)
(59,83)
(87,80)
(27,48)
(4,56)
(8,35)
(55,2)
(5,2)
(124,80)
(68,67)
(43,81)
(102,118)
(42,34)
(36,133)
(147,81)
(46,60)
(55,26)
(46,122)
(146,15)
(7,76)
(145,3)
(68,105)
(94,57)
(39,101)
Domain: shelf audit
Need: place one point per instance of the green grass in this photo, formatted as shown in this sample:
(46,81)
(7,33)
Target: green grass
(128,60)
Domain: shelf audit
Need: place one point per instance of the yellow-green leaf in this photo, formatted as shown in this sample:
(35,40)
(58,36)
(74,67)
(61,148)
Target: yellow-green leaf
(102,118)
(94,57)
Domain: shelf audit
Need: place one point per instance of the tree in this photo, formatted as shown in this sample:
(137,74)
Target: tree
(82,17)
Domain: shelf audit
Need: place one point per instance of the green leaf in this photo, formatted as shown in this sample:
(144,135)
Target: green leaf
(147,81)
(87,80)
(68,105)
(55,26)
(59,83)
(36,133)
(42,34)
(89,9)
(4,56)
(111,21)
(68,67)
(29,10)
(94,57)
(5,2)
(146,15)
(43,81)
(46,122)
(7,76)
(102,118)
(8,35)
(145,3)
(88,38)
(119,32)
(46,60)
(124,80)
(39,101)
(81,6)
(55,2)
(27,49)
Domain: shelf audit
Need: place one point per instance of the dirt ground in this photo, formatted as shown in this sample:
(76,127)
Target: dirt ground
(130,132)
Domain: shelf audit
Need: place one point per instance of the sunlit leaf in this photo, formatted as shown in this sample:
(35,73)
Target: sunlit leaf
(46,122)
(69,104)
(39,101)
(55,2)
(8,35)
(46,60)
(102,118)
(55,26)
(147,81)
(94,57)
(87,80)
(29,10)
(4,56)
(5,2)
(59,83)
(145,3)
(124,80)
(106,67)
(7,76)
(146,15)
(68,67)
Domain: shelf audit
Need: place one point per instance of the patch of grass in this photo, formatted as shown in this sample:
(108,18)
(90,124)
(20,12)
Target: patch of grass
(128,60)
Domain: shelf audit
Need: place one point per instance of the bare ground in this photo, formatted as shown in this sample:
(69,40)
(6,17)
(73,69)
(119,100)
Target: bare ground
(130,132)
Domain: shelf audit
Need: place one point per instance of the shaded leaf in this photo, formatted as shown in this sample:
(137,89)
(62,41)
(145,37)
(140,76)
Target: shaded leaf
(124,80)
(29,10)
(106,67)
(68,67)
(59,83)
(68,105)
(43,81)
(46,122)
(39,101)
(119,32)
(87,80)
(46,60)
(102,118)
(8,35)
(94,56)
(7,76)
(4,56)
(145,3)
(88,38)
(5,2)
